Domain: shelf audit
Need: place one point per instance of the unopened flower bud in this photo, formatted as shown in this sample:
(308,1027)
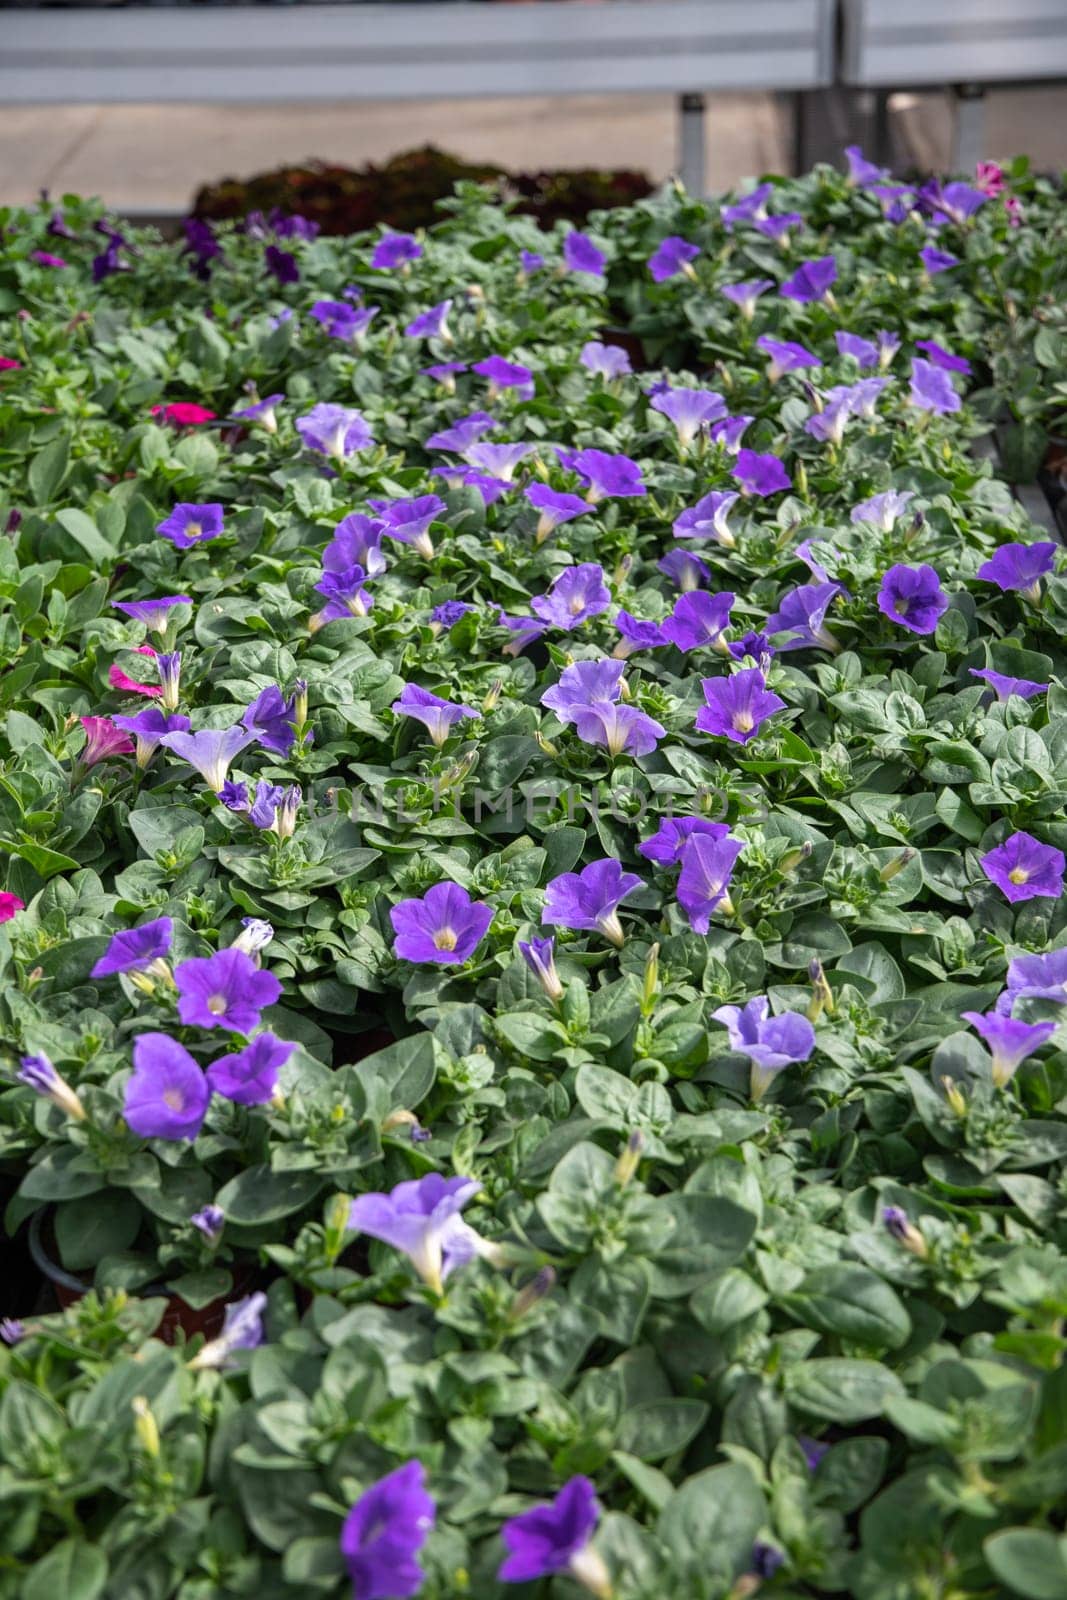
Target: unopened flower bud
(791,861)
(300,702)
(822,996)
(532,1293)
(899,1227)
(546,745)
(630,1159)
(490,701)
(587,1567)
(651,983)
(622,570)
(145,1426)
(255,935)
(41,1075)
(891,868)
(955,1096)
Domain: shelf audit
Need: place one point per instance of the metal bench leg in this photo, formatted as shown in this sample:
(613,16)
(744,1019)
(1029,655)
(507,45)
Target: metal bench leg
(691,160)
(968,141)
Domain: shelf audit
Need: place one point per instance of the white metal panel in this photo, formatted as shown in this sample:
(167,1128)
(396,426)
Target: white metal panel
(413,51)
(893,43)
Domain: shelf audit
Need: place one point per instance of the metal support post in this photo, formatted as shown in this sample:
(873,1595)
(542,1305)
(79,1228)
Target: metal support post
(967,142)
(691,151)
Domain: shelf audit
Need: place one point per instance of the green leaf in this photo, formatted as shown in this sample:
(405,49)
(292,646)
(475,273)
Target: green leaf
(711,1522)
(84,532)
(661,1427)
(1031,1561)
(841,1390)
(258,1196)
(96,1226)
(852,1302)
(73,1569)
(48,469)
(396,1078)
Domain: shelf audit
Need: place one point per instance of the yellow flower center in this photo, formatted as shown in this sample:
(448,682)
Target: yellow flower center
(174,1099)
(1018,875)
(743,721)
(445,939)
(217,1005)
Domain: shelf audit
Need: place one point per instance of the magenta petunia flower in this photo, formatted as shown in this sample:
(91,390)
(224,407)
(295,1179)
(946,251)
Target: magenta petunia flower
(103,740)
(445,927)
(44,259)
(699,620)
(760,475)
(167,1094)
(576,595)
(737,706)
(250,1077)
(438,716)
(1020,567)
(704,881)
(810,281)
(190,525)
(580,254)
(1025,869)
(226,990)
(335,431)
(386,1528)
(590,899)
(913,597)
(1010,1041)
(395,250)
(672,256)
(556,1538)
(10,906)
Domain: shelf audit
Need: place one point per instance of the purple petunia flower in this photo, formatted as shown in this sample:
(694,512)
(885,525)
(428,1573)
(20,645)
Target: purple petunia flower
(704,881)
(802,615)
(771,1043)
(582,684)
(461,434)
(282,264)
(210,1221)
(408,521)
(931,388)
(556,1538)
(1009,1040)
(1036,977)
(1025,869)
(690,410)
(344,594)
(341,320)
(437,715)
(777,228)
(699,620)
(580,254)
(395,250)
(356,542)
(707,519)
(760,475)
(148,728)
(666,845)
(261,411)
(137,949)
(241,1330)
(749,208)
(489,488)
(540,956)
(943,358)
(446,926)
(737,706)
(555,507)
(745,295)
(504,375)
(727,433)
(523,630)
(271,717)
(530,262)
(604,475)
(576,595)
(861,172)
(498,460)
(1020,568)
(1004,687)
(882,510)
(274,808)
(958,201)
(444,373)
(12,1330)
(250,1077)
(935,260)
(785,356)
(41,1076)
(618,728)
(422,1218)
(804,552)
(385,1530)
(431,324)
(226,990)
(605,360)
(814,1450)
(448,613)
(155,614)
(755,645)
(167,1094)
(913,597)
(637,634)
(210,751)
(685,569)
(810,281)
(590,899)
(671,257)
(335,431)
(189,525)
(829,424)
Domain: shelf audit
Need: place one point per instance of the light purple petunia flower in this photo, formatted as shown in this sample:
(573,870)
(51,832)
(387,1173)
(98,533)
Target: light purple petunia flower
(137,949)
(802,615)
(685,569)
(580,254)
(523,630)
(637,634)
(760,475)
(39,1074)
(335,431)
(861,172)
(913,597)
(785,356)
(167,1094)
(242,1329)
(210,1221)
(828,424)
(671,257)
(498,460)
(556,506)
(618,728)
(1036,977)
(604,475)
(582,684)
(749,208)
(1010,1041)
(530,262)
(704,881)
(342,320)
(446,926)
(271,717)
(540,956)
(810,281)
(444,373)
(958,201)
(461,434)
(1020,568)
(210,751)
(431,324)
(882,510)
(395,250)
(1004,687)
(226,990)
(437,715)
(666,845)
(863,351)
(189,525)
(422,1218)
(699,620)
(590,899)
(737,706)
(804,552)
(935,260)
(344,594)
(1024,868)
(555,1538)
(777,228)
(504,375)
(707,519)
(771,1043)
(274,808)
(943,358)
(605,360)
(356,542)
(690,410)
(148,728)
(490,489)
(250,1077)
(895,199)
(408,521)
(576,595)
(155,614)
(384,1532)
(745,295)
(931,388)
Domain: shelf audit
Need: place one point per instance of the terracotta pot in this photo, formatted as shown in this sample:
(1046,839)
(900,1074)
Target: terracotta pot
(69,1289)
